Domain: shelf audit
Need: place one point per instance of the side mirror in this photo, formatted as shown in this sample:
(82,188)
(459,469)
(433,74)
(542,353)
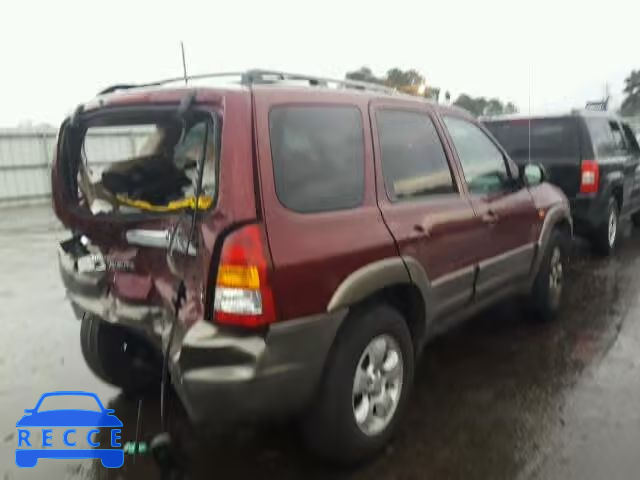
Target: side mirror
(532,174)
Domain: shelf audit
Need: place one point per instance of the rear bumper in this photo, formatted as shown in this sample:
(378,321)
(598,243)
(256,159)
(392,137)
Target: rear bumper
(218,375)
(588,212)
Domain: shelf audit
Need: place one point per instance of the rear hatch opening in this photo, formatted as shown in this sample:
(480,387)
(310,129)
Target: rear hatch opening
(122,161)
(132,184)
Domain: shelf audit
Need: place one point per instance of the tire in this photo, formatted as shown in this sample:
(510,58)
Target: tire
(605,238)
(548,286)
(330,427)
(119,357)
(635,218)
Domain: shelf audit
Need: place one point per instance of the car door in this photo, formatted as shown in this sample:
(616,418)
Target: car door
(506,208)
(629,144)
(616,167)
(422,202)
(634,159)
(622,156)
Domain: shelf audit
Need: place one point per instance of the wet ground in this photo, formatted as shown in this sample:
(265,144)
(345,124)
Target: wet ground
(496,398)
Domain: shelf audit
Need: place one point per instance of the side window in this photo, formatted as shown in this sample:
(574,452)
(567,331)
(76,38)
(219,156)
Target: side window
(618,137)
(482,162)
(602,137)
(318,157)
(630,138)
(413,159)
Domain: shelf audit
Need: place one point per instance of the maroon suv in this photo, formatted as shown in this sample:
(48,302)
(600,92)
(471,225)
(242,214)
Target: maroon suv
(293,243)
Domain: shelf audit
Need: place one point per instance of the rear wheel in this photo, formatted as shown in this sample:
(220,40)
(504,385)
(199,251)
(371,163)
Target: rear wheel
(605,238)
(365,389)
(118,356)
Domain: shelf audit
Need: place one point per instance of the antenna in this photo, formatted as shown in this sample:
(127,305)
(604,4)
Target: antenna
(529,161)
(184,64)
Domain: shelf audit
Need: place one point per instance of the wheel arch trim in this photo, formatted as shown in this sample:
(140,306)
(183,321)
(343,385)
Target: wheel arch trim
(376,276)
(555,215)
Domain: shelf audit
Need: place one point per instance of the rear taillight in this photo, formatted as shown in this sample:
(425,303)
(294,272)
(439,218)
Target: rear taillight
(243,296)
(589,176)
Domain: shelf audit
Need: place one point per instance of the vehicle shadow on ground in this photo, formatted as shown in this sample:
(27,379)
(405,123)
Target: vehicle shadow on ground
(487,394)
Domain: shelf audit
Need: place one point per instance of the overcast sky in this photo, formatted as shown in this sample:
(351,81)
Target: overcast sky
(56,54)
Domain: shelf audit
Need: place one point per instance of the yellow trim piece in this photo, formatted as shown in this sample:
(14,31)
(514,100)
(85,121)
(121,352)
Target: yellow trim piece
(204,202)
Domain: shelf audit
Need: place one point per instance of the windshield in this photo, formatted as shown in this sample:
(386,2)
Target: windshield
(136,167)
(550,137)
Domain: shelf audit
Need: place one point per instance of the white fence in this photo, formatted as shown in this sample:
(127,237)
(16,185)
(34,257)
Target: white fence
(25,159)
(26,156)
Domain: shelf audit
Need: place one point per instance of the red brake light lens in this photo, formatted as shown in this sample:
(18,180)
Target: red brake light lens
(243,296)
(589,177)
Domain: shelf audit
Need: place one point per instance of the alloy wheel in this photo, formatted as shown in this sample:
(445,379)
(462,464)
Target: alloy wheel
(377,384)
(556,276)
(612,227)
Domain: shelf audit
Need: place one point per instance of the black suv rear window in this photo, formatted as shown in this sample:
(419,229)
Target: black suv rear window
(550,137)
(318,157)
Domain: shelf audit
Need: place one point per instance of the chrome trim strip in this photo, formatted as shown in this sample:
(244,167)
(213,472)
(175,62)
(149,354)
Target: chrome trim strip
(156,239)
(506,255)
(448,277)
(498,271)
(148,238)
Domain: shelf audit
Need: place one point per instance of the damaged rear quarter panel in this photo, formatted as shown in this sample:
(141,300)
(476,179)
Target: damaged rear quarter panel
(236,203)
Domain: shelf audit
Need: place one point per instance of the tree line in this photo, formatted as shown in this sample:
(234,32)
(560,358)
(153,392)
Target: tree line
(631,103)
(413,82)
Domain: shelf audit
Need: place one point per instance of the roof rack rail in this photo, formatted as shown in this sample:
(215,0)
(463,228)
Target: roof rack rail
(262,77)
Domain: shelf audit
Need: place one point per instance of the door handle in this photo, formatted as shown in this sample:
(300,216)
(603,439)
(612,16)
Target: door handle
(490,217)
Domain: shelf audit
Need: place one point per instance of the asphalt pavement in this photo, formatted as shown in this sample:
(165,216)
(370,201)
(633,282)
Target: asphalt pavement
(497,398)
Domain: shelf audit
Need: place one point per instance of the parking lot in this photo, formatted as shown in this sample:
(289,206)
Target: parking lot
(496,398)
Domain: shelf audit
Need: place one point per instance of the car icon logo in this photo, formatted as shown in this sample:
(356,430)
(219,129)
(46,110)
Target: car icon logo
(70,426)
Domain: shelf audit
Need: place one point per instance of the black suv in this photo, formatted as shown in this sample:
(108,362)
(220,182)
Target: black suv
(592,156)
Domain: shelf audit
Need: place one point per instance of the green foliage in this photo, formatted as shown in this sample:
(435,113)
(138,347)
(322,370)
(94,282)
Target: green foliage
(364,74)
(631,103)
(403,78)
(473,105)
(395,77)
(410,81)
(510,108)
(433,93)
(483,106)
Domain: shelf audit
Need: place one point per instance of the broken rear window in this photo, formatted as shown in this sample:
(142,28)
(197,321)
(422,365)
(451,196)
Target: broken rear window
(132,167)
